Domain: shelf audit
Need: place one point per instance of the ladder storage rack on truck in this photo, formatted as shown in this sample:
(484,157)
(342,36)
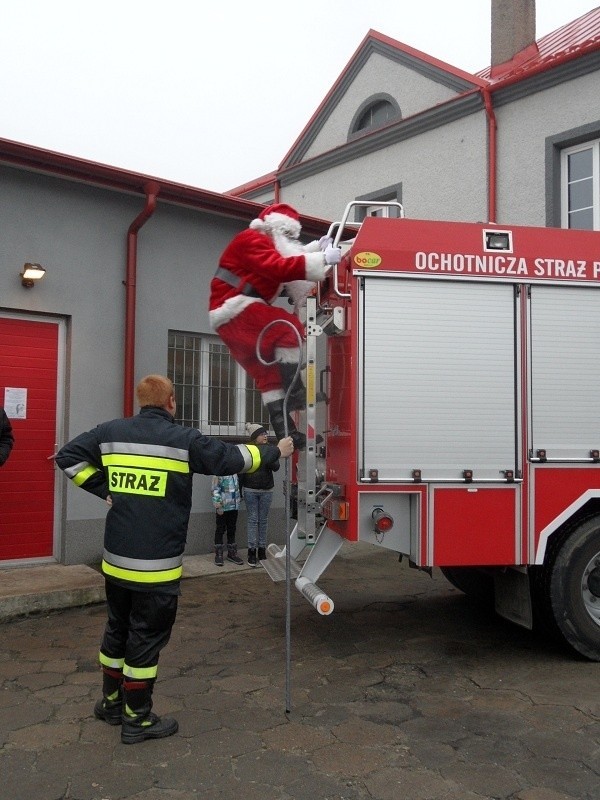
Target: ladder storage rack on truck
(462,429)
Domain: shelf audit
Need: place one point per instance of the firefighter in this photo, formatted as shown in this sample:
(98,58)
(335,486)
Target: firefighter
(143,467)
(253,270)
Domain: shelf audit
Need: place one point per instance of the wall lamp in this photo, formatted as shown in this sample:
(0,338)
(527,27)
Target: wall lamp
(31,274)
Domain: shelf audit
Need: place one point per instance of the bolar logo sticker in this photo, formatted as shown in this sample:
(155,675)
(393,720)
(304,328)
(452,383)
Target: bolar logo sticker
(367,259)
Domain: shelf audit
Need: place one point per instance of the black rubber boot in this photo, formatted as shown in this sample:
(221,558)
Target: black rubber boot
(137,729)
(297,397)
(110,707)
(109,710)
(139,722)
(276,416)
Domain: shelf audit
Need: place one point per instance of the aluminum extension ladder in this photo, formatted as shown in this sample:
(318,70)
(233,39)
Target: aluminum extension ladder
(308,532)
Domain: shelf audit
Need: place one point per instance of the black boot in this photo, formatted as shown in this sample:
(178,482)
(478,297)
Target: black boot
(277,418)
(139,722)
(110,707)
(219,555)
(137,729)
(232,554)
(297,397)
(252,556)
(262,554)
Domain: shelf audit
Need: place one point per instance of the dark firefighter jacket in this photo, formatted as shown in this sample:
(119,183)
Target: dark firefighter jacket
(146,463)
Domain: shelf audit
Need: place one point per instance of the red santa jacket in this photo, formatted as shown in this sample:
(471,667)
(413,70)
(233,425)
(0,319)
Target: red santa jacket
(258,270)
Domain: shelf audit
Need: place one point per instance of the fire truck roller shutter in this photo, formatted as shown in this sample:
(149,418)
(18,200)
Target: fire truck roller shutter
(445,353)
(566,589)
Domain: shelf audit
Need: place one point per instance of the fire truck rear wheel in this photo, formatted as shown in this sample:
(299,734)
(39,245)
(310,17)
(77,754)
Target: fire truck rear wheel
(569,585)
(472,581)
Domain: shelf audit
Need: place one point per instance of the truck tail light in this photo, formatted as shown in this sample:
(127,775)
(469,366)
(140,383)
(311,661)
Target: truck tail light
(382,521)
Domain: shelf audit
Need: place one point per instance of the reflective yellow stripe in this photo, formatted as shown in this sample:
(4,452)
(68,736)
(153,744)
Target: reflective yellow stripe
(82,476)
(135,576)
(255,453)
(140,673)
(115,663)
(123,460)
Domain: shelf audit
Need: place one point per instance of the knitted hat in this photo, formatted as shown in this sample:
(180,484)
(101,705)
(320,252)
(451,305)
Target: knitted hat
(279,216)
(254,430)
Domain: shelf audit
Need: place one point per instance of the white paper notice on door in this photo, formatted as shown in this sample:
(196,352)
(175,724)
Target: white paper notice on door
(15,402)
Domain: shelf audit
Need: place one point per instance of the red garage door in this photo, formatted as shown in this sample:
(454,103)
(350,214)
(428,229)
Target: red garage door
(28,370)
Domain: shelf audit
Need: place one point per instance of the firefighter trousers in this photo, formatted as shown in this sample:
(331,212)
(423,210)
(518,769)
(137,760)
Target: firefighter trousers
(138,627)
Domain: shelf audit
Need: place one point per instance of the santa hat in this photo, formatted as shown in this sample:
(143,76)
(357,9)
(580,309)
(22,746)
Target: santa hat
(279,217)
(254,431)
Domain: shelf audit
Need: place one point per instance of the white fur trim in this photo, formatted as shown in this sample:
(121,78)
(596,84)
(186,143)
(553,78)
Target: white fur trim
(312,247)
(230,309)
(272,396)
(298,291)
(316,268)
(258,225)
(278,222)
(287,355)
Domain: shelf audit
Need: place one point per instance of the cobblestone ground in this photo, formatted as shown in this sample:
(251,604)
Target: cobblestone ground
(406,692)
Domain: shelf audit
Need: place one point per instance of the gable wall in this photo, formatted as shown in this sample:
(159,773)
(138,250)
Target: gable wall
(412,91)
(442,172)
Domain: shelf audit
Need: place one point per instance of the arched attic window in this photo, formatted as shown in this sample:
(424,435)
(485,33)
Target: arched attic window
(376,111)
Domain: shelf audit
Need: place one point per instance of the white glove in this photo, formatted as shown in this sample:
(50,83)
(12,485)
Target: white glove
(333,255)
(325,242)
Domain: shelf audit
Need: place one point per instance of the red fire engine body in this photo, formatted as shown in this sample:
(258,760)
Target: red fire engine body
(463,416)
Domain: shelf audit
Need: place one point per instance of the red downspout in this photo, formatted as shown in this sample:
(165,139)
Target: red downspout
(589,46)
(151,189)
(277,190)
(492,127)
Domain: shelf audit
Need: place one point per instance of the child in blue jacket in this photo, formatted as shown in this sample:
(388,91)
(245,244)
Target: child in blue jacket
(226,500)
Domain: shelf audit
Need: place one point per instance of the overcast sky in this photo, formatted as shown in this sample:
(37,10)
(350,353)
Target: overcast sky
(210,94)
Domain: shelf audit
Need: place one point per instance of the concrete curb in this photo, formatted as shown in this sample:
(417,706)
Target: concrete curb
(50,587)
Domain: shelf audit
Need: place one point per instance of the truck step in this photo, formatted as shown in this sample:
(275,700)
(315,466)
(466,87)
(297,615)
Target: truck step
(275,564)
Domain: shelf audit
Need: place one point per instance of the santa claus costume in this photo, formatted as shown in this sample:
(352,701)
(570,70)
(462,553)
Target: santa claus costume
(253,270)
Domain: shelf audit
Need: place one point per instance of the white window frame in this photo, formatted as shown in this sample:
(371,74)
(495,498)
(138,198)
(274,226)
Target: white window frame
(594,145)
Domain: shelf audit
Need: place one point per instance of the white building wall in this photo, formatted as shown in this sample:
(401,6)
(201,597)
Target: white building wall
(443,174)
(79,233)
(523,127)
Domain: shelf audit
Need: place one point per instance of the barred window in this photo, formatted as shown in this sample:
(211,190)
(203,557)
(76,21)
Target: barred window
(213,392)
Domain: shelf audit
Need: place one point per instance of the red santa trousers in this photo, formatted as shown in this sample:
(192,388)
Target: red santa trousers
(241,335)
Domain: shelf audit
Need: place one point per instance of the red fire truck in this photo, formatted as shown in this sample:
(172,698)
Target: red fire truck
(461,362)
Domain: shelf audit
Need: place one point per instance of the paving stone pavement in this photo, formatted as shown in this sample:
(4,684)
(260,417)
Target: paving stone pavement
(406,692)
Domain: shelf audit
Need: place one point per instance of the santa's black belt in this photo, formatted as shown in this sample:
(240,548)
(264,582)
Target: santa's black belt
(234,280)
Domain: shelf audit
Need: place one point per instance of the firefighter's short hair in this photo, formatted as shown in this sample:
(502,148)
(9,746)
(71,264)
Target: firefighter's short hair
(154,390)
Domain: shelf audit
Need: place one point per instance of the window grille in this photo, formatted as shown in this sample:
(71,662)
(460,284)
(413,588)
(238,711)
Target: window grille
(213,392)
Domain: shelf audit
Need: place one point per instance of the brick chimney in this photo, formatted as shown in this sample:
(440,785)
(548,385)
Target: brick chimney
(513,30)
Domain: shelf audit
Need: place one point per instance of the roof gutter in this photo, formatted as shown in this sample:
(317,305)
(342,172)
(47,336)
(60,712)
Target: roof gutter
(151,189)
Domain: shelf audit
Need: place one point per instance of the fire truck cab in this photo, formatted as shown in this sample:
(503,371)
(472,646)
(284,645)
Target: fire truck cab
(461,365)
